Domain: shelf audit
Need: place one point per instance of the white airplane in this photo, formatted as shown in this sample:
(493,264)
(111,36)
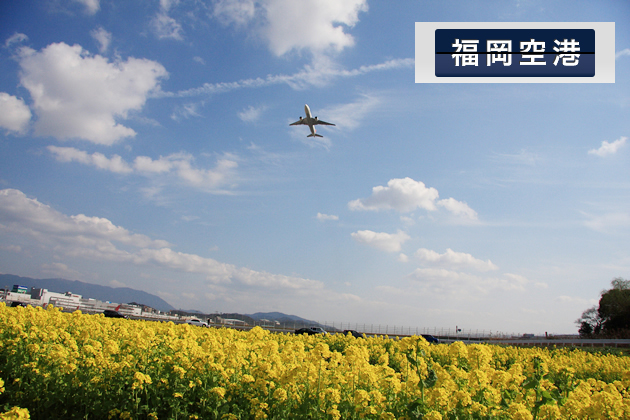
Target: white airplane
(311,122)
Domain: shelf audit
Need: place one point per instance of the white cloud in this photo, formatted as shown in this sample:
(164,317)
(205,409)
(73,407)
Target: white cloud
(452,259)
(239,12)
(403,195)
(622,53)
(148,165)
(165,26)
(287,25)
(403,258)
(608,148)
(251,114)
(199,60)
(458,208)
(69,154)
(14,113)
(77,95)
(179,165)
(97,239)
(91,6)
(58,269)
(388,242)
(19,213)
(441,281)
(409,221)
(16,38)
(166,5)
(406,195)
(103,38)
(323,217)
(312,25)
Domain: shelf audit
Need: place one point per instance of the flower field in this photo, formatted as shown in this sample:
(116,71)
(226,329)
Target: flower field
(62,366)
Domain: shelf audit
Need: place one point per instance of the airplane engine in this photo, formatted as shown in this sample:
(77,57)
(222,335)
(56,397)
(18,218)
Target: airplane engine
(315,118)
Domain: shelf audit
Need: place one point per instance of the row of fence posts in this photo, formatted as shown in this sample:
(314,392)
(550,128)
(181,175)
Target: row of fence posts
(397,330)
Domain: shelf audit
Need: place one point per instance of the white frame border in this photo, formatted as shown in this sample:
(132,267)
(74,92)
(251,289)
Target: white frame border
(604,48)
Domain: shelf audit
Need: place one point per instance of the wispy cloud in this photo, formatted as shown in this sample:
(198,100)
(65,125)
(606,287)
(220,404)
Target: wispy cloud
(98,239)
(91,6)
(622,53)
(608,222)
(16,38)
(103,38)
(442,281)
(186,111)
(69,154)
(351,115)
(251,114)
(309,76)
(523,157)
(177,165)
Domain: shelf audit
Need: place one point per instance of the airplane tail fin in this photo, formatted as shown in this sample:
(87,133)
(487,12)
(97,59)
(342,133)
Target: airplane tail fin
(314,135)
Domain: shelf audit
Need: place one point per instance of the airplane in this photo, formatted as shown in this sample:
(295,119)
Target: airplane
(311,122)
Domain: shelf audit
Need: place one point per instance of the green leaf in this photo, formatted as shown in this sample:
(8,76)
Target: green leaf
(531,383)
(431,379)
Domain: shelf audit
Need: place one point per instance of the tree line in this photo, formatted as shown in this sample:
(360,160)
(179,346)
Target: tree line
(611,318)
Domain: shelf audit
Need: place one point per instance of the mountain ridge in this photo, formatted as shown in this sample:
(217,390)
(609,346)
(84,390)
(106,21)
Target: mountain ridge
(89,290)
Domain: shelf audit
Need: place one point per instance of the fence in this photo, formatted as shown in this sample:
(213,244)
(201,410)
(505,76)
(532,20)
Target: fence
(387,329)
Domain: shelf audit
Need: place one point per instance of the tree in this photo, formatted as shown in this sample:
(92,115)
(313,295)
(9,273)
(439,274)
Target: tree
(614,306)
(590,323)
(612,316)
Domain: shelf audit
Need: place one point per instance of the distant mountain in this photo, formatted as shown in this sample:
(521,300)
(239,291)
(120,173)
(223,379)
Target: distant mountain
(288,320)
(88,290)
(278,316)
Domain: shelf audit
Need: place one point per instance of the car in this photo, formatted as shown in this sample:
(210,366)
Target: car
(354,333)
(311,331)
(109,313)
(197,322)
(431,339)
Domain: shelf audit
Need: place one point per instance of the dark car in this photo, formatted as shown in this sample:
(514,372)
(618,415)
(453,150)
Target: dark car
(310,331)
(113,314)
(431,339)
(16,304)
(354,333)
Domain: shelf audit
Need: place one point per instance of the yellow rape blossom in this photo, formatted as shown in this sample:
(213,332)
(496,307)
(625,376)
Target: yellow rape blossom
(133,369)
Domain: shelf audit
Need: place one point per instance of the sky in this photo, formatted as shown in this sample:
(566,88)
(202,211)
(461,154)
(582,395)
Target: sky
(146,144)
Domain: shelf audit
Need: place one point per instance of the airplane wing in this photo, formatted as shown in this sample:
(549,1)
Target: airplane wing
(322,122)
(302,121)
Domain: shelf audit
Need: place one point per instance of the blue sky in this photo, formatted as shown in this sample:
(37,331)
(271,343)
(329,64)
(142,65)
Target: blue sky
(147,144)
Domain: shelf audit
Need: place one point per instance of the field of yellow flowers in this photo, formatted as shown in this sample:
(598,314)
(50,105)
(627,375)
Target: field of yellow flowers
(69,365)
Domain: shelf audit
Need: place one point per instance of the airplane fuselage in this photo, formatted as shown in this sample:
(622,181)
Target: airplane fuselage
(311,122)
(309,119)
